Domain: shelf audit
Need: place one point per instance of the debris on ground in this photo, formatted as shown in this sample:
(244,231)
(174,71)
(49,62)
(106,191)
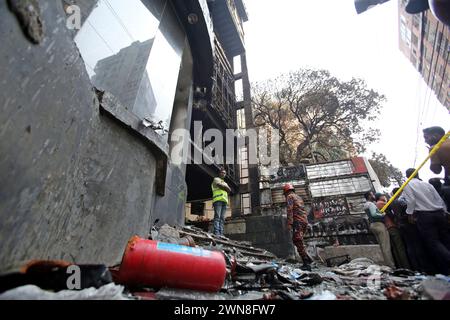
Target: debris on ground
(337,261)
(396,293)
(249,273)
(437,288)
(31,292)
(54,275)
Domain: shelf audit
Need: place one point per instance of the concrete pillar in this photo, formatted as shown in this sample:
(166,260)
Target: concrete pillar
(253,185)
(182,110)
(236,205)
(170,208)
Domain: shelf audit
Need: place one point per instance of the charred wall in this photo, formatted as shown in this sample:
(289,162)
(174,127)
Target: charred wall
(75,183)
(268,232)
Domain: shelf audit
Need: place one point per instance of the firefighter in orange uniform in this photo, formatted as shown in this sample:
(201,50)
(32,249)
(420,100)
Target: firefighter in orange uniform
(297,222)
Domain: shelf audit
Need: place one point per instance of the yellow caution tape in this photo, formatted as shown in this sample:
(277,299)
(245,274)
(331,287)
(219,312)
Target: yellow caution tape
(432,152)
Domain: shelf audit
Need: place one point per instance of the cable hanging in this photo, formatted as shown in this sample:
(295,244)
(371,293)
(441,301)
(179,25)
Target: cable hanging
(111,9)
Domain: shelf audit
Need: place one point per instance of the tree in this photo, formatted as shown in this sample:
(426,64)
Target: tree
(319,117)
(385,171)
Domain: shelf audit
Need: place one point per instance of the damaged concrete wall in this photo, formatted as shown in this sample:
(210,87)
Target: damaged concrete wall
(267,232)
(75,184)
(170,208)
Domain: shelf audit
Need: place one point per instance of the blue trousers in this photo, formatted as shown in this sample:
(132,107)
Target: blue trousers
(220,208)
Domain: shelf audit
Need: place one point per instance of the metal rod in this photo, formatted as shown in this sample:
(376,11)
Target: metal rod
(432,152)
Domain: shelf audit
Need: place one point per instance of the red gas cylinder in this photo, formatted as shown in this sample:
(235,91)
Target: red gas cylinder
(159,264)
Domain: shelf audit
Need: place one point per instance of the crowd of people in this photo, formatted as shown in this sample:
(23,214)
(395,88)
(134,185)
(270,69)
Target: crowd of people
(414,230)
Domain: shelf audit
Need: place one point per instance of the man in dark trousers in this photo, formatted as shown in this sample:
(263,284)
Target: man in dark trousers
(418,257)
(426,207)
(297,222)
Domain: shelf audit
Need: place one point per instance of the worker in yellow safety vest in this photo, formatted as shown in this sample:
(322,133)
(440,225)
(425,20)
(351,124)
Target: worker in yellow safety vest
(220,190)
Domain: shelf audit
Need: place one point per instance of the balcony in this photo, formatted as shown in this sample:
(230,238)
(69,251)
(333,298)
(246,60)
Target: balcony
(223,96)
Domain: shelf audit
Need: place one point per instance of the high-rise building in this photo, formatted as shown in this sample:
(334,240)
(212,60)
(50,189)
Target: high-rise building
(425,42)
(124,75)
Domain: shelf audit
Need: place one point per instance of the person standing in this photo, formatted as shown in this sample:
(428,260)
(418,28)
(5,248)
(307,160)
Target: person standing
(418,257)
(397,245)
(297,222)
(441,159)
(220,190)
(426,207)
(378,228)
(437,185)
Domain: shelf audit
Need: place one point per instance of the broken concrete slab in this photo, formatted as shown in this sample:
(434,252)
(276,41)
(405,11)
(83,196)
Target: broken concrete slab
(372,252)
(31,292)
(436,289)
(167,234)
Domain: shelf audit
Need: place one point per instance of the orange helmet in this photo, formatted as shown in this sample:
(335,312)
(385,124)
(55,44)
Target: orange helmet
(287,187)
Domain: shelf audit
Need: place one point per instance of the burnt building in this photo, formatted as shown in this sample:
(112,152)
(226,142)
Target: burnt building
(229,106)
(425,41)
(91,118)
(333,193)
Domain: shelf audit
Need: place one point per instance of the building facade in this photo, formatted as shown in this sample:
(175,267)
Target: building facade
(93,94)
(333,193)
(425,41)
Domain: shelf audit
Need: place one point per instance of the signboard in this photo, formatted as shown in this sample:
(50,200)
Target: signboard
(329,207)
(331,169)
(285,174)
(337,187)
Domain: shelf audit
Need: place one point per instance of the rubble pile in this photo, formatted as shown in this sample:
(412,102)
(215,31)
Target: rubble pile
(255,274)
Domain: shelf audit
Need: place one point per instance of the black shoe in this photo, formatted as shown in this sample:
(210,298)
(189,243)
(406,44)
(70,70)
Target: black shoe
(306,267)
